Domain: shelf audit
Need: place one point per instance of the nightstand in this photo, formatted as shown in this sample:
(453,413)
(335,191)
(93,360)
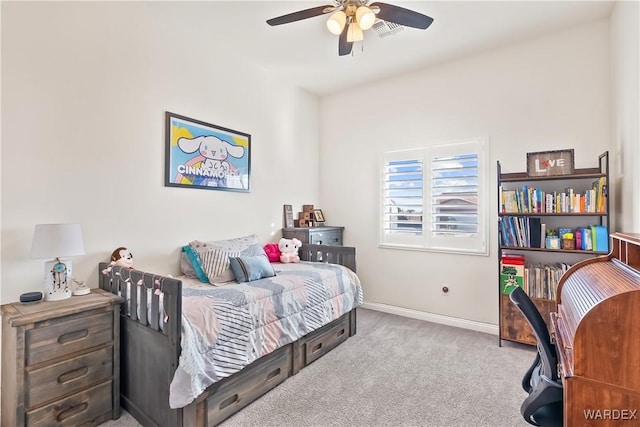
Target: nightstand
(330,236)
(60,361)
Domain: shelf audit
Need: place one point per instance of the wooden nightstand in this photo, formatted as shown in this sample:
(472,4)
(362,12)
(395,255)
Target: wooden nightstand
(60,361)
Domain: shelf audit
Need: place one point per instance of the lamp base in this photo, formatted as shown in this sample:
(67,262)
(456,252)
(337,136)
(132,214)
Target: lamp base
(57,279)
(58,295)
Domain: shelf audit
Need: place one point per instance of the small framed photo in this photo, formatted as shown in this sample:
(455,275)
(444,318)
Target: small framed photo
(318,216)
(550,163)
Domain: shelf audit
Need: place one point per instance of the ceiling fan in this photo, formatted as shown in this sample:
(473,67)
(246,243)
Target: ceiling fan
(350,17)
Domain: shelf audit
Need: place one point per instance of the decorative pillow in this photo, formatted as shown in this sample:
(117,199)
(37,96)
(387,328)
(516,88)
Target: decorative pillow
(248,268)
(214,255)
(273,252)
(215,263)
(190,264)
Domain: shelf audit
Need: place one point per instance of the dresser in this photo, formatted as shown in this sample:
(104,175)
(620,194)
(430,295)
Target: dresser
(60,361)
(330,236)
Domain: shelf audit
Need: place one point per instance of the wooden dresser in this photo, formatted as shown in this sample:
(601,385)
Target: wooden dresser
(597,336)
(330,236)
(60,361)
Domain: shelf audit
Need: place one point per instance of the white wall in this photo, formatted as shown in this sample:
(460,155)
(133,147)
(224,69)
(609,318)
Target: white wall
(625,76)
(548,93)
(85,88)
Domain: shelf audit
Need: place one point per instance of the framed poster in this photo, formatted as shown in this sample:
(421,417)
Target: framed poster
(203,155)
(550,163)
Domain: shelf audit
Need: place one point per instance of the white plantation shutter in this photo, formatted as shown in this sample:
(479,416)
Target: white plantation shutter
(454,195)
(403,197)
(436,198)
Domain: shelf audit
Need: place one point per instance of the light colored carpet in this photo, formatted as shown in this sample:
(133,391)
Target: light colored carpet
(398,372)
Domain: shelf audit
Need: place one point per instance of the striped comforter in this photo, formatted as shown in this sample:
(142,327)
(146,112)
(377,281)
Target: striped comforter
(225,328)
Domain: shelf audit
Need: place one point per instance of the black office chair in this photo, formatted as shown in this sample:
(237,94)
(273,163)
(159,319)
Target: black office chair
(543,406)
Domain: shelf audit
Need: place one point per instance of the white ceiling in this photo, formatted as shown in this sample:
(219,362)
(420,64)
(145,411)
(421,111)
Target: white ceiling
(306,53)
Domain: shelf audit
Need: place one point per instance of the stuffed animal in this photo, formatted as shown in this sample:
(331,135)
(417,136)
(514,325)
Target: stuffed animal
(273,252)
(289,249)
(122,258)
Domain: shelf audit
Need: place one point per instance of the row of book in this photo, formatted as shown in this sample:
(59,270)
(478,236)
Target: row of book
(538,281)
(535,200)
(530,232)
(541,281)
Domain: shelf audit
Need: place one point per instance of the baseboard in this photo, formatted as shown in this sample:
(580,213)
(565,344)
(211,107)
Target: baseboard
(487,328)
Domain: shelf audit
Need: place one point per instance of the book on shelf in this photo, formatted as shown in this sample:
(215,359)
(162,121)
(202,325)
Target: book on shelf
(600,238)
(535,232)
(586,244)
(511,272)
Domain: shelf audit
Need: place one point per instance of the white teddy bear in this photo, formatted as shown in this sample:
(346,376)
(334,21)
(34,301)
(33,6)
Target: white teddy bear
(289,249)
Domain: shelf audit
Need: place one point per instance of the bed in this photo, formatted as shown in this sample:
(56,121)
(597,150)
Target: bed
(153,324)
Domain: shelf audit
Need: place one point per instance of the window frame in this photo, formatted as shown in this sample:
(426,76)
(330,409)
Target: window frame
(427,242)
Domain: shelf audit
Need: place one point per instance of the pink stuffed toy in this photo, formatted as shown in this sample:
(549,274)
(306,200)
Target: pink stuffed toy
(273,252)
(289,249)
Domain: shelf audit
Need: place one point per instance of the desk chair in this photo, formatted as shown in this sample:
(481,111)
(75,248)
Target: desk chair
(543,406)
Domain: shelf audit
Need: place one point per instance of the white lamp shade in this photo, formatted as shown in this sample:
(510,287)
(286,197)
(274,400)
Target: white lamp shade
(354,34)
(365,17)
(57,240)
(336,23)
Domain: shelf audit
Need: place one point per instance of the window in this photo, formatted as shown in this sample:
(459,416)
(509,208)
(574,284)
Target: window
(435,198)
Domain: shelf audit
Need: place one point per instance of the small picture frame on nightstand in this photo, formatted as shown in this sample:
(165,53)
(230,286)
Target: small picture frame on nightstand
(318,217)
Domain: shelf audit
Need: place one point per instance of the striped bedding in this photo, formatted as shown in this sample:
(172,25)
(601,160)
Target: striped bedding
(225,328)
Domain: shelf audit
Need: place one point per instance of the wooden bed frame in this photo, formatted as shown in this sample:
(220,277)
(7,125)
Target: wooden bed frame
(149,354)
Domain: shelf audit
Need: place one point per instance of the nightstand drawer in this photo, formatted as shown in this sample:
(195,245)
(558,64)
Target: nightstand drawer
(330,238)
(66,377)
(75,410)
(58,338)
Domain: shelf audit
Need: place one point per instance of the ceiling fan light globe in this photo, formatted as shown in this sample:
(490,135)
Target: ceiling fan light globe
(336,22)
(365,17)
(354,33)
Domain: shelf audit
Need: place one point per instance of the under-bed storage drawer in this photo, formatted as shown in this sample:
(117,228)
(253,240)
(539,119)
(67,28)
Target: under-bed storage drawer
(324,339)
(247,385)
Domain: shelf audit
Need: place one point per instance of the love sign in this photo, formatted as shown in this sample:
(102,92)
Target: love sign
(550,163)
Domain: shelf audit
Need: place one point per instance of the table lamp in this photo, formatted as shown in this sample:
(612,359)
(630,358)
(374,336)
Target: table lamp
(57,241)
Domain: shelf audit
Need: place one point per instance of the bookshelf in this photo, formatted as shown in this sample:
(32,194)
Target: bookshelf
(531,207)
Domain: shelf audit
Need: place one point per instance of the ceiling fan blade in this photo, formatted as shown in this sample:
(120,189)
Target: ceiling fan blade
(344,47)
(402,16)
(301,14)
